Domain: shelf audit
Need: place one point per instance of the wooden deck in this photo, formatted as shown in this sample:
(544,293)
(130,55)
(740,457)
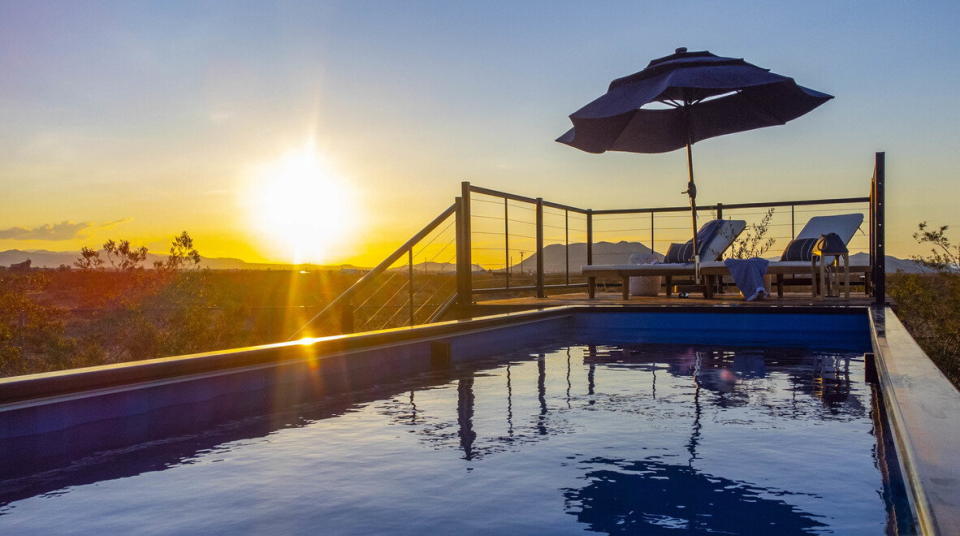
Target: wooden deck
(614,298)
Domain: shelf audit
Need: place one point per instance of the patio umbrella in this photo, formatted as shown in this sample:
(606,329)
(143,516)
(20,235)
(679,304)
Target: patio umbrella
(684,98)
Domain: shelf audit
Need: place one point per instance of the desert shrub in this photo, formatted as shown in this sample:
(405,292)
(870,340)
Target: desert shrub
(32,337)
(944,256)
(929,304)
(754,242)
(111,310)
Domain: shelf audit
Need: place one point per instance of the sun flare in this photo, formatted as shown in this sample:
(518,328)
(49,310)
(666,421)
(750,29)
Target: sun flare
(303,206)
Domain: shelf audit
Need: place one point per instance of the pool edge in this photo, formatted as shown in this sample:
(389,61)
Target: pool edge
(923,411)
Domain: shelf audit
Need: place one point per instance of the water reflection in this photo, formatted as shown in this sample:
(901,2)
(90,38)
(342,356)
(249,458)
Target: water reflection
(823,376)
(542,394)
(664,398)
(465,401)
(652,497)
(509,404)
(781,383)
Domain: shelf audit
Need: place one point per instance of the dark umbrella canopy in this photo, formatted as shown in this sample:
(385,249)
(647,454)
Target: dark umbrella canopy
(700,96)
(705,95)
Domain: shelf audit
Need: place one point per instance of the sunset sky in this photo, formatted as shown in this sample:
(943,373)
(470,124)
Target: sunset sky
(138,120)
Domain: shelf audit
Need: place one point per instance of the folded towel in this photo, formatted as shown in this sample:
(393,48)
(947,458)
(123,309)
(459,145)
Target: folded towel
(748,275)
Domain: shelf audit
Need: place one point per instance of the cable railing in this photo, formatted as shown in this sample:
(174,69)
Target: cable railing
(494,242)
(413,285)
(529,244)
(657,231)
(524,244)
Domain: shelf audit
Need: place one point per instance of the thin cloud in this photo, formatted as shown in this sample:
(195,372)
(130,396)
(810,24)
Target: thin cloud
(64,230)
(114,223)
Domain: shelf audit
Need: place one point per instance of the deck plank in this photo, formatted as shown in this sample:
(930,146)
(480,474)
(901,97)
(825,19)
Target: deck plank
(614,298)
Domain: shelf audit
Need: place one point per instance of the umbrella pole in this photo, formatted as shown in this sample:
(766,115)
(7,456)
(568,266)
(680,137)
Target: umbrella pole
(692,192)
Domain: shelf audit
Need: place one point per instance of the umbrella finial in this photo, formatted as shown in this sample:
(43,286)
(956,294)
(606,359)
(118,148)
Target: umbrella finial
(681,50)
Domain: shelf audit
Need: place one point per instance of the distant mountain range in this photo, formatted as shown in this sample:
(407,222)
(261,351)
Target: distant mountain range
(41,258)
(438,267)
(554,260)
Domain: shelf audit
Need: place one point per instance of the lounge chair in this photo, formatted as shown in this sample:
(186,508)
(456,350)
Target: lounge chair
(843,225)
(711,249)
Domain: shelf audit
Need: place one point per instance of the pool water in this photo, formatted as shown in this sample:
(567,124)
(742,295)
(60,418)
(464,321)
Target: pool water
(562,439)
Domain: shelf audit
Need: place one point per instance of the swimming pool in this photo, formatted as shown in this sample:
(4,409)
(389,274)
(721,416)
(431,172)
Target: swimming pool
(594,425)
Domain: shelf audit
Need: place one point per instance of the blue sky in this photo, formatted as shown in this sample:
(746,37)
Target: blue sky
(153,113)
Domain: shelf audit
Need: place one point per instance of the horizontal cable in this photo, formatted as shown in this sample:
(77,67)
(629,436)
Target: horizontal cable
(838,209)
(489,201)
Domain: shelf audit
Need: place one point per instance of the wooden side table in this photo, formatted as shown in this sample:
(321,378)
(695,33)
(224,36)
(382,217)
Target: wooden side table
(830,246)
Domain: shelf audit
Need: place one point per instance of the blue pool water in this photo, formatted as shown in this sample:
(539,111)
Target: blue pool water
(566,438)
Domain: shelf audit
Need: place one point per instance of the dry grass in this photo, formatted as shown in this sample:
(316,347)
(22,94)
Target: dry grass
(51,320)
(929,306)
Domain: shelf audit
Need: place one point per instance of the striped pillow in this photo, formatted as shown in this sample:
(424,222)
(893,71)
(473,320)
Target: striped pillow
(675,254)
(683,253)
(799,249)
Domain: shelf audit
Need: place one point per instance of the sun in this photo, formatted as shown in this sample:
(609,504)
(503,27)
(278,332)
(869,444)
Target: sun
(304,208)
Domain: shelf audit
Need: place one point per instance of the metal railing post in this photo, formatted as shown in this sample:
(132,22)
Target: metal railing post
(719,211)
(879,268)
(872,229)
(591,280)
(589,236)
(410,281)
(652,243)
(793,222)
(464,292)
(467,230)
(506,240)
(540,290)
(566,242)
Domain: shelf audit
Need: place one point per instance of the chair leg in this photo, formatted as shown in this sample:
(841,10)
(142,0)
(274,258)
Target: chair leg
(846,276)
(779,285)
(669,286)
(626,287)
(824,289)
(592,287)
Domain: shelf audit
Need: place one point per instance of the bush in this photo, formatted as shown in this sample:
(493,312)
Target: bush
(929,307)
(929,304)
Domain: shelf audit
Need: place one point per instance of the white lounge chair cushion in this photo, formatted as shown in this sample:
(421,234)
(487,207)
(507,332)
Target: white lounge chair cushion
(726,234)
(727,231)
(844,225)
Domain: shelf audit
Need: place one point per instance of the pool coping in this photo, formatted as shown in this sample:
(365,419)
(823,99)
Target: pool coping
(923,410)
(45,385)
(18,390)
